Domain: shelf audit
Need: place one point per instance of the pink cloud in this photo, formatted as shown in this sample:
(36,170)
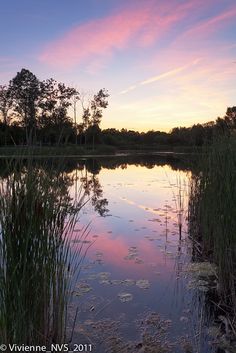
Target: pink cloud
(205,28)
(164,16)
(99,38)
(95,42)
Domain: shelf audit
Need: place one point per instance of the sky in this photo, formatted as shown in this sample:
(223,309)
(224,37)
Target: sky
(164,63)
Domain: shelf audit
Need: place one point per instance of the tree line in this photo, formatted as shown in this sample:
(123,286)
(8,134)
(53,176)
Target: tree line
(35,112)
(196,135)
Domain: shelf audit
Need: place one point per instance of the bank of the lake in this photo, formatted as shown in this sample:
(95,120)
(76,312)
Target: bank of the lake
(98,150)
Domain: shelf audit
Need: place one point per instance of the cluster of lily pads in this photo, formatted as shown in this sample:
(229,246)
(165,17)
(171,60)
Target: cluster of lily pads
(204,276)
(106,335)
(104,279)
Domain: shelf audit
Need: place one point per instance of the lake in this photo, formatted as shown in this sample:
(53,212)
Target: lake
(135,292)
(122,225)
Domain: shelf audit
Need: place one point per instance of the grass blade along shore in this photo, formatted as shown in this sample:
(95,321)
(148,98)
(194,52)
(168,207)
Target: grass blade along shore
(37,219)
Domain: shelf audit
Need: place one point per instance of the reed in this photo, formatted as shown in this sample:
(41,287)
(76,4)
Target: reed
(212,213)
(37,219)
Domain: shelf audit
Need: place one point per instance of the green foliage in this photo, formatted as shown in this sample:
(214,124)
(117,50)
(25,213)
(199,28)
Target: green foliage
(213,212)
(37,218)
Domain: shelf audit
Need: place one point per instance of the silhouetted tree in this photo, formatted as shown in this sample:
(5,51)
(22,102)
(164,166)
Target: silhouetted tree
(230,117)
(85,122)
(76,98)
(5,106)
(25,92)
(5,103)
(98,103)
(54,122)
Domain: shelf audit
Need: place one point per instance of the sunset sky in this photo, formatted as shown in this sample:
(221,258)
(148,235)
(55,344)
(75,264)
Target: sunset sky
(165,63)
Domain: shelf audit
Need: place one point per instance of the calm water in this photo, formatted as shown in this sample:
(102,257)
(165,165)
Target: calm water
(133,292)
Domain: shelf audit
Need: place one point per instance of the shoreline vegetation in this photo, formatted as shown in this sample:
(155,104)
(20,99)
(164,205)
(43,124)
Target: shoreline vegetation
(37,269)
(212,225)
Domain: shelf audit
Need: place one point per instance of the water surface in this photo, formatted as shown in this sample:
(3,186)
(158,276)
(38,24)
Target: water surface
(134,285)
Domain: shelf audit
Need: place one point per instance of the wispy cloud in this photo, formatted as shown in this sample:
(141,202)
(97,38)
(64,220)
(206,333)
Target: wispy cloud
(162,76)
(205,28)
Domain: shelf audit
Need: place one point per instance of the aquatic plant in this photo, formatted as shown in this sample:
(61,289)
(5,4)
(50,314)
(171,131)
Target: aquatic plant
(212,214)
(180,203)
(37,267)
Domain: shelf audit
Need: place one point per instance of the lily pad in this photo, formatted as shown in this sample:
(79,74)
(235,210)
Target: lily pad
(183,319)
(201,285)
(116,281)
(143,283)
(203,269)
(83,288)
(125,297)
(92,277)
(104,275)
(128,282)
(105,281)
(132,253)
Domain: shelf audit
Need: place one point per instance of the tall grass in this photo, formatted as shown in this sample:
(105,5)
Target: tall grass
(37,218)
(212,213)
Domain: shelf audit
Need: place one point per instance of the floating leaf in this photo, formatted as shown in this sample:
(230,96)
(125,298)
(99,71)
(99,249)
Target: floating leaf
(198,284)
(92,277)
(133,252)
(99,254)
(83,288)
(203,269)
(143,284)
(149,237)
(104,275)
(105,281)
(116,281)
(128,282)
(125,297)
(183,319)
